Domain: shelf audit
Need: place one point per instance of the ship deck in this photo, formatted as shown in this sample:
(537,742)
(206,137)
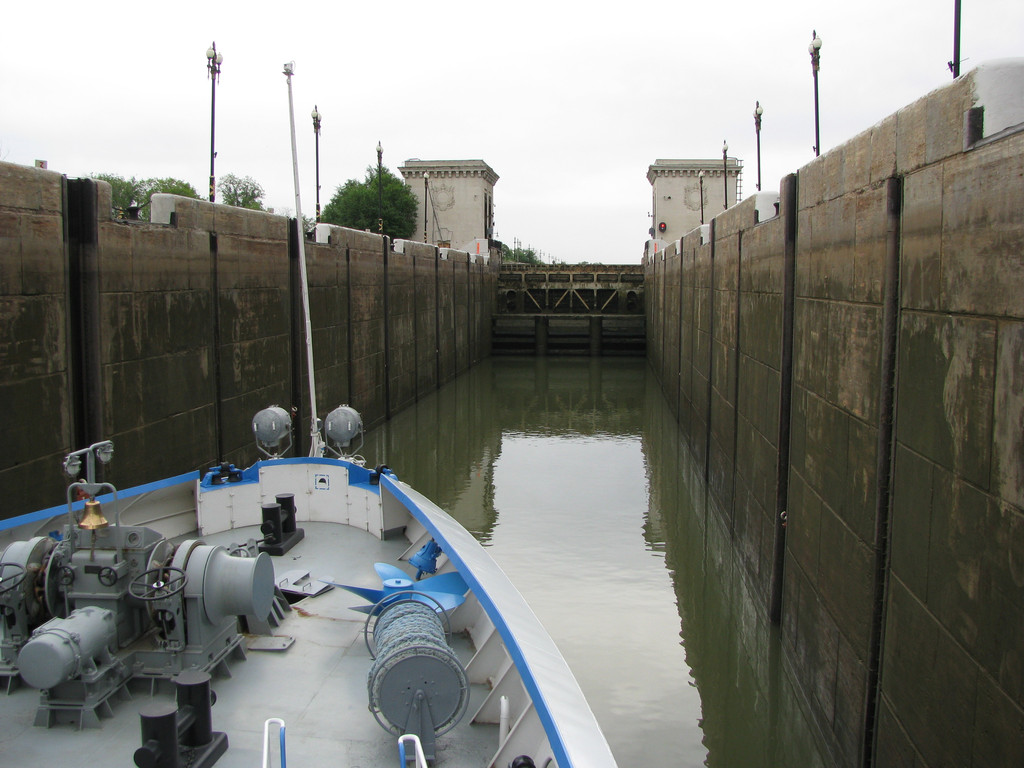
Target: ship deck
(317,685)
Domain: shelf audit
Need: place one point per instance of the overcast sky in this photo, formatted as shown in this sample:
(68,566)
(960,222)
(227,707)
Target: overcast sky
(568,102)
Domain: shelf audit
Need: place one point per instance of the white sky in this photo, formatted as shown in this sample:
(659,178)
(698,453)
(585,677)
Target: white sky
(568,102)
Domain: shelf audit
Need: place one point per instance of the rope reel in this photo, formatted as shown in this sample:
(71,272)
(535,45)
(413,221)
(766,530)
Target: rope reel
(416,683)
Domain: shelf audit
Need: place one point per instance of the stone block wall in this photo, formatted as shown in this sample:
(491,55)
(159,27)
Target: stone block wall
(167,337)
(850,376)
(34,342)
(956,604)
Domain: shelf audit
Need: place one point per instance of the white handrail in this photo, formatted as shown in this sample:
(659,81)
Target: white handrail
(266,741)
(421,760)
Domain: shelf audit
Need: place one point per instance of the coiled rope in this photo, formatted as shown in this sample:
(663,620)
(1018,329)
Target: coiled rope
(415,666)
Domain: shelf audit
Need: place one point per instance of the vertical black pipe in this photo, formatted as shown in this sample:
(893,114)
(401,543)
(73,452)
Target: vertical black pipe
(416,340)
(883,467)
(72,253)
(83,231)
(725,177)
(955,63)
(213,129)
(470,314)
(218,407)
(679,361)
(734,385)
(664,288)
(437,310)
(789,203)
(296,329)
(711,357)
(316,135)
(385,248)
(455,330)
(73,379)
(348,321)
(817,124)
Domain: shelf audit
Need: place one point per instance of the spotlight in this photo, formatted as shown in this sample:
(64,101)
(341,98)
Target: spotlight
(342,426)
(271,427)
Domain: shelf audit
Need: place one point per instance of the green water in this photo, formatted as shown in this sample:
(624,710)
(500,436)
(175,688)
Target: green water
(572,472)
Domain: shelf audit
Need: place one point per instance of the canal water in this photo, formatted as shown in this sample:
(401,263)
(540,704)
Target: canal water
(573,473)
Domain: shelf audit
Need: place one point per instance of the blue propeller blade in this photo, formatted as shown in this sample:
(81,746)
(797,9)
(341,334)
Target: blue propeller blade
(388,571)
(451,582)
(447,589)
(445,600)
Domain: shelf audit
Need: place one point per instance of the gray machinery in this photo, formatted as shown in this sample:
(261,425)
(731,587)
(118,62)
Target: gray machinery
(24,568)
(106,604)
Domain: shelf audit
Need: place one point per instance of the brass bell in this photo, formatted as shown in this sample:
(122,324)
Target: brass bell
(93,517)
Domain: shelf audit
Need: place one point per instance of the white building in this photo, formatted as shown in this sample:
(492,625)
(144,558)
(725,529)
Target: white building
(676,191)
(461,200)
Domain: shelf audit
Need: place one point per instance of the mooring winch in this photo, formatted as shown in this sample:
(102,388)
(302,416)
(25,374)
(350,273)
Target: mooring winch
(84,611)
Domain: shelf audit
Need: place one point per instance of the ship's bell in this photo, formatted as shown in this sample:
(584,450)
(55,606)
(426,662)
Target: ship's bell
(93,517)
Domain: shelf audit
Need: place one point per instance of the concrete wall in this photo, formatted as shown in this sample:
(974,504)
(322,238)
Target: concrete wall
(168,337)
(850,377)
(34,344)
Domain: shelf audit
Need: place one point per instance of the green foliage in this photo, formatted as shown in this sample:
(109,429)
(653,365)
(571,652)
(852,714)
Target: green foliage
(519,255)
(135,193)
(241,192)
(170,186)
(355,205)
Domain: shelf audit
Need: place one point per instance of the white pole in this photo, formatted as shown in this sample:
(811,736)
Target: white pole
(316,445)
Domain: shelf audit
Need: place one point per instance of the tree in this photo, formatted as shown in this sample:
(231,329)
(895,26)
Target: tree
(129,194)
(519,255)
(355,205)
(241,192)
(172,186)
(308,222)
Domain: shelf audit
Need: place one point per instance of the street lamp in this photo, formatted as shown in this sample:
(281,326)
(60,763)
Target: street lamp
(815,50)
(700,179)
(380,193)
(426,177)
(954,65)
(725,172)
(315,114)
(758,111)
(213,62)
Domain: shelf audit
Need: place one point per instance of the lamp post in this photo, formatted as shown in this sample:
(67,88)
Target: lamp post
(758,111)
(954,65)
(315,114)
(700,179)
(815,50)
(380,193)
(725,173)
(213,62)
(426,198)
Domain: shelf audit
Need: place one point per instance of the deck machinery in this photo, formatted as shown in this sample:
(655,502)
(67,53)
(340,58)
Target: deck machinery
(87,609)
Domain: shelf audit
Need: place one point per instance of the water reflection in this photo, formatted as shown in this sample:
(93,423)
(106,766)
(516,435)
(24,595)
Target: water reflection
(572,472)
